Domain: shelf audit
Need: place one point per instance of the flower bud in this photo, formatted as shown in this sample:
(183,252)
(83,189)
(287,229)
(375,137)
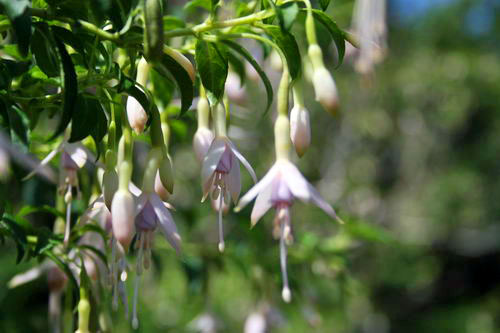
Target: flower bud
(326,90)
(300,129)
(137,117)
(201,142)
(275,61)
(160,189)
(166,172)
(109,186)
(123,215)
(234,89)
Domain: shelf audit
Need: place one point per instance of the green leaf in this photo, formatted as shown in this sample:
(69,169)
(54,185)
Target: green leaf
(287,43)
(324,4)
(26,210)
(21,22)
(10,69)
(70,86)
(191,5)
(237,65)
(289,12)
(267,83)
(163,87)
(172,22)
(96,251)
(128,86)
(212,66)
(70,38)
(167,65)
(63,266)
(42,47)
(18,234)
(19,126)
(337,34)
(89,120)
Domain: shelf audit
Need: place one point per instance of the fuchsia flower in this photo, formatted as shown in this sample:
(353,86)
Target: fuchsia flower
(220,175)
(278,189)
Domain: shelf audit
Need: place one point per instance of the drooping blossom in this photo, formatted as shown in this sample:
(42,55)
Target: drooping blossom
(282,184)
(370,28)
(300,129)
(220,175)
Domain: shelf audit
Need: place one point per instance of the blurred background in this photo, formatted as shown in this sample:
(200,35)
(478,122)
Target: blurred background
(410,163)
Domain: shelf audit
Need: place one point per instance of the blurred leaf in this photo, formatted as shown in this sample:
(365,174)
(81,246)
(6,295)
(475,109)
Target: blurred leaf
(19,126)
(63,266)
(43,49)
(172,22)
(369,232)
(167,65)
(21,22)
(205,4)
(70,87)
(287,14)
(337,34)
(324,4)
(89,119)
(212,66)
(287,43)
(163,87)
(27,209)
(18,234)
(237,66)
(96,251)
(267,83)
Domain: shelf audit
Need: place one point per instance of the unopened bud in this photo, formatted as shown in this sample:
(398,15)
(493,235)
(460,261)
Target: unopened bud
(109,186)
(137,116)
(234,89)
(166,172)
(300,129)
(123,215)
(326,90)
(275,61)
(201,142)
(160,189)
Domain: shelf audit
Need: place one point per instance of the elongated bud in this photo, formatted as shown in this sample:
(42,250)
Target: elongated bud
(300,129)
(166,172)
(137,116)
(123,214)
(153,33)
(160,189)
(109,186)
(181,60)
(326,90)
(83,312)
(275,61)
(234,89)
(201,142)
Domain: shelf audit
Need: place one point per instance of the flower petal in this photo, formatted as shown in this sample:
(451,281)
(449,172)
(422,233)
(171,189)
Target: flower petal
(140,202)
(212,159)
(77,152)
(262,205)
(233,179)
(257,188)
(295,181)
(43,163)
(318,200)
(166,222)
(243,161)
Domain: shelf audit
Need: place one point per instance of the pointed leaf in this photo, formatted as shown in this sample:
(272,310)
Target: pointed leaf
(267,83)
(89,119)
(288,45)
(43,48)
(324,4)
(212,66)
(337,34)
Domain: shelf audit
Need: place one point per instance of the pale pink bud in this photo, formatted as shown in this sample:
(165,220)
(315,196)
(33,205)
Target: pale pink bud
(123,214)
(109,186)
(300,129)
(234,89)
(326,90)
(160,189)
(201,142)
(275,61)
(137,117)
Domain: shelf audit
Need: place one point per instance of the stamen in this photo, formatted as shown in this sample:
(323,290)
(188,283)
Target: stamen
(135,321)
(147,258)
(215,193)
(123,268)
(123,296)
(114,273)
(286,293)
(221,231)
(141,237)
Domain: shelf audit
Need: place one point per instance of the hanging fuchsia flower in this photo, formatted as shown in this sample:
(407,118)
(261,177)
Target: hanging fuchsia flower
(220,175)
(278,189)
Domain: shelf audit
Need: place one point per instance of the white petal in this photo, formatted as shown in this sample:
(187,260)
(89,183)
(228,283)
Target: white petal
(295,181)
(233,179)
(262,205)
(212,159)
(140,202)
(77,152)
(134,189)
(318,200)
(243,160)
(207,186)
(43,163)
(257,188)
(166,221)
